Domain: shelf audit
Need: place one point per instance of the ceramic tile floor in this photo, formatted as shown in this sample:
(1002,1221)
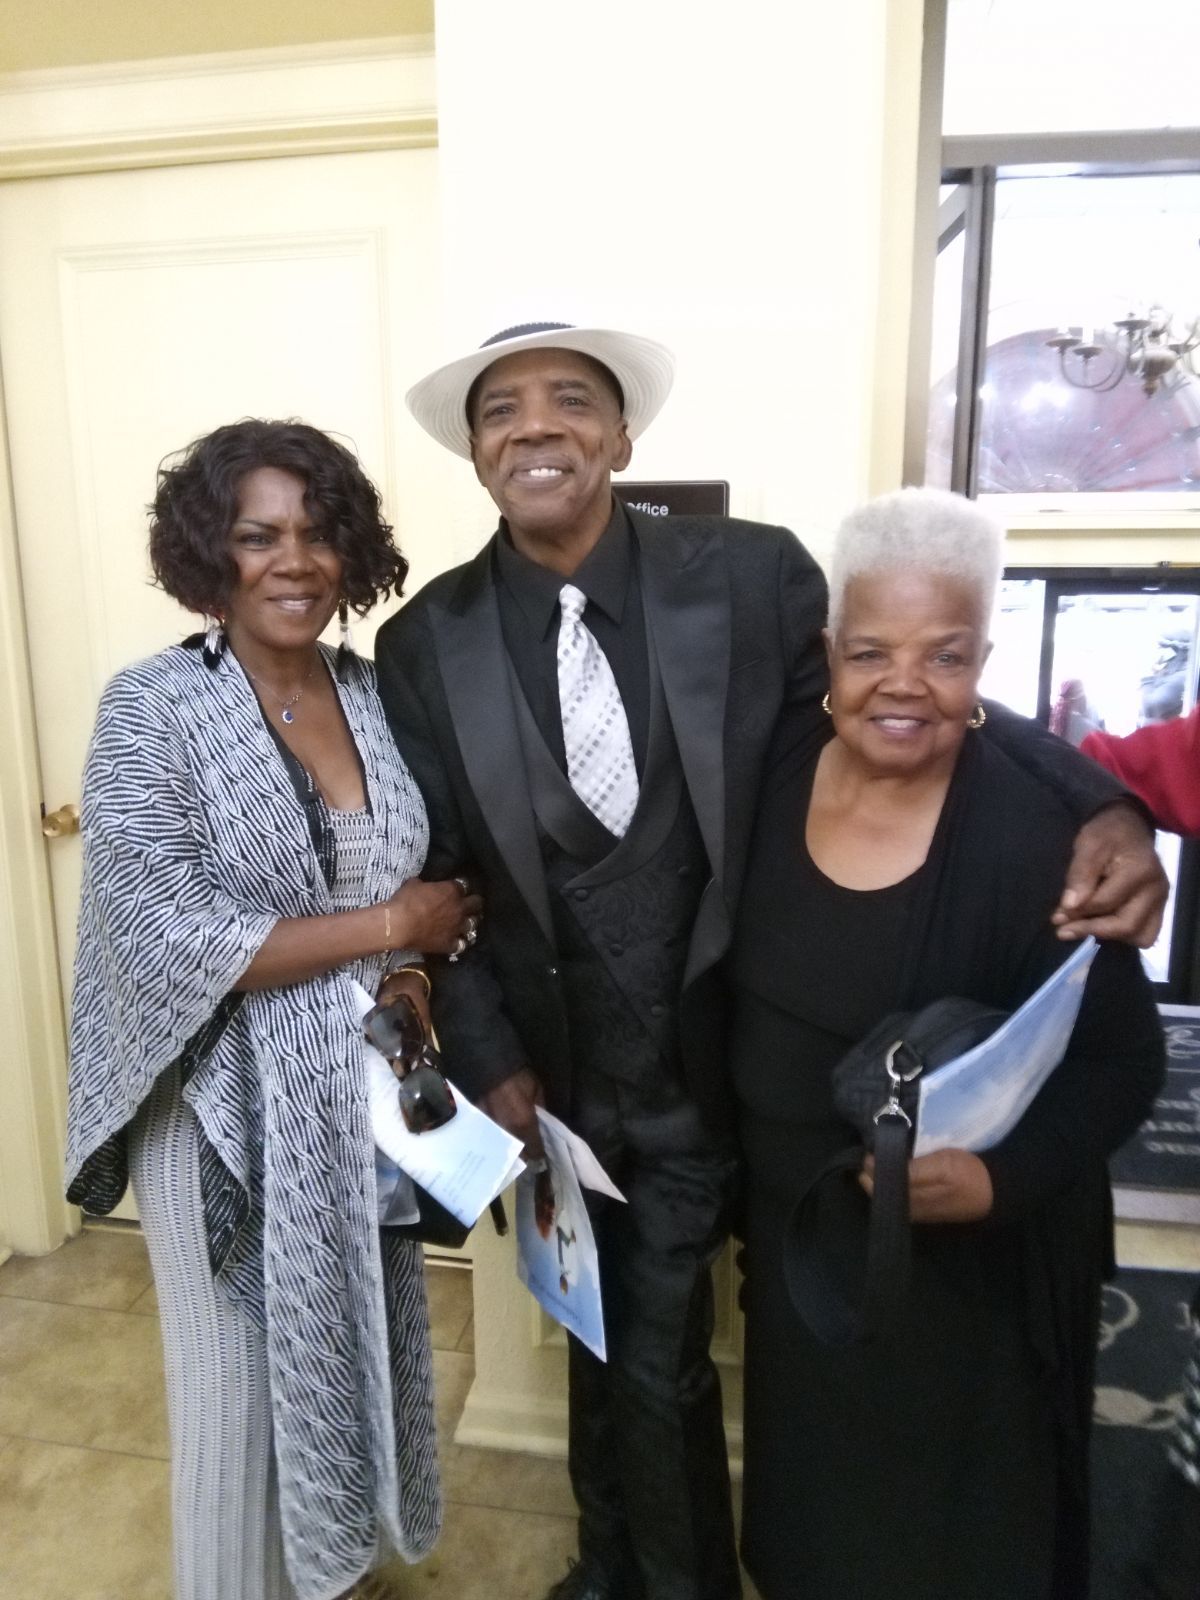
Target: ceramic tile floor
(84,1487)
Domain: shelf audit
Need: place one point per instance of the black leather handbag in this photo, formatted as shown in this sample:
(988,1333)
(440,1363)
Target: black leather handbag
(876,1086)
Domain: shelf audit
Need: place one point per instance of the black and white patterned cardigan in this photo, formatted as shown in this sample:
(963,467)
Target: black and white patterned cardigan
(194,843)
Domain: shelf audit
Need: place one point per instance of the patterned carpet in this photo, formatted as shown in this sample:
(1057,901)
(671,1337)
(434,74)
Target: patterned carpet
(1144,1346)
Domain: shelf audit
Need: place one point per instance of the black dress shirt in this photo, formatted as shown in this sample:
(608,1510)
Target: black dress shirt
(529,618)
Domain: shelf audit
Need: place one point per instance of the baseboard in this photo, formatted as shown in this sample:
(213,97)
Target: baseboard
(512,1422)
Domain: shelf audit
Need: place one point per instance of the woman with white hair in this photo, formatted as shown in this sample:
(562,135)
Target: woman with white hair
(910,861)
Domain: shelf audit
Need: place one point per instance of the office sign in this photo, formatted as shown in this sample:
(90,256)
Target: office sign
(704,497)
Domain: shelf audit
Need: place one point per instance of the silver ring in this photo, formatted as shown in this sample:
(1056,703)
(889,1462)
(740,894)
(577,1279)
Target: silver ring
(459,946)
(472,936)
(472,927)
(463,885)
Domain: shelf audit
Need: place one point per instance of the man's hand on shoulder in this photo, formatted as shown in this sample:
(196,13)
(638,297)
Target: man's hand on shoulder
(1116,887)
(513,1104)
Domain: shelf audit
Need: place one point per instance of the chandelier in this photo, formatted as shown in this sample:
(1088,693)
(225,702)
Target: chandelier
(1150,349)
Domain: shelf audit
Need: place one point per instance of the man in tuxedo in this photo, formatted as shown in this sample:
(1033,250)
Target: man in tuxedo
(587,706)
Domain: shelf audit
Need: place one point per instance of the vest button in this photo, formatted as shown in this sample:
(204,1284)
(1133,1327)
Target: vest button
(580,894)
(552,972)
(657,1010)
(616,949)
(684,872)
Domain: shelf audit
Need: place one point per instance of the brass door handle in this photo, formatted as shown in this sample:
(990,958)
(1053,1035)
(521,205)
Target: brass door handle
(58,824)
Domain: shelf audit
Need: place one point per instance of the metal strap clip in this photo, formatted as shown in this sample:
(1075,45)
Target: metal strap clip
(892,1106)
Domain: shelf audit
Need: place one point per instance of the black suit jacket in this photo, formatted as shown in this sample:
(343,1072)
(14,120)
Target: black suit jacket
(734,610)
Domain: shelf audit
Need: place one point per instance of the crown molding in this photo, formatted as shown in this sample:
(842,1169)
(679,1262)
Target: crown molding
(375,94)
(219,63)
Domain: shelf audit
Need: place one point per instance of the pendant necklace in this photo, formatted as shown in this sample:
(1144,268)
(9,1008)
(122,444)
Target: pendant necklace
(286,714)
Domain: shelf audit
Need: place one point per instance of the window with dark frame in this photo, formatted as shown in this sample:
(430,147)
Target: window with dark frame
(1040,241)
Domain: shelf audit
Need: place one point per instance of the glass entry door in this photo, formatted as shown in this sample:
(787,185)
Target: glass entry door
(1108,649)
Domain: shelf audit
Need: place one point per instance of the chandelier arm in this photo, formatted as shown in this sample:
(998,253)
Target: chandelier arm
(1124,354)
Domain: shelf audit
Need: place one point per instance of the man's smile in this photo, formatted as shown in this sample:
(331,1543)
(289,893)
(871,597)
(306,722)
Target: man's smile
(540,472)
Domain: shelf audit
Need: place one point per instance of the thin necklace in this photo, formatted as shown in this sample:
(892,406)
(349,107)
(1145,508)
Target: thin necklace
(286,714)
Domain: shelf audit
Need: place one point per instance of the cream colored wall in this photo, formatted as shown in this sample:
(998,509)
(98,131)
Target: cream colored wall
(1100,547)
(67,33)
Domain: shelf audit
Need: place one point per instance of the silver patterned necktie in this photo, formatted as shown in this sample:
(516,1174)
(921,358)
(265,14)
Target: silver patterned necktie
(600,761)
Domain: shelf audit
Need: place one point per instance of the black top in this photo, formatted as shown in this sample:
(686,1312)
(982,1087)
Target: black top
(529,617)
(808,950)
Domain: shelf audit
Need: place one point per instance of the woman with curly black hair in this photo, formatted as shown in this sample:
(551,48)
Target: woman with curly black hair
(252,841)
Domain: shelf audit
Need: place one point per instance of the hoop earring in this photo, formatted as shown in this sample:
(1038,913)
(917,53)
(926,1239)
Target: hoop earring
(345,643)
(214,642)
(825,706)
(978,717)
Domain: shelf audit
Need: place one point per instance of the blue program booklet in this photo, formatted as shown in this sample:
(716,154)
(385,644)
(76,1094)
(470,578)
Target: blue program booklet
(556,1249)
(974,1102)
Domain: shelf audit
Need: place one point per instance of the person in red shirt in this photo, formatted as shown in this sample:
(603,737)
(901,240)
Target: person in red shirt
(1161,764)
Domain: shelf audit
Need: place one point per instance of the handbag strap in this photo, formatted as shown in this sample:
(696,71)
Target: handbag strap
(819,1300)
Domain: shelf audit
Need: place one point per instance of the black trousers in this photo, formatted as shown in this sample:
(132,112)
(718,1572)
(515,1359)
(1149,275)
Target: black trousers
(647,1442)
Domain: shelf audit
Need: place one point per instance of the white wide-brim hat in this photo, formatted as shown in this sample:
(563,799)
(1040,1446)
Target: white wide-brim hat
(643,368)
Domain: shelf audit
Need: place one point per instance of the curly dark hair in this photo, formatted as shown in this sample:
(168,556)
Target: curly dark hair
(195,507)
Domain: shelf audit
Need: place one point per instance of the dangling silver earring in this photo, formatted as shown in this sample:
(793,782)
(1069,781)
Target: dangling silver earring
(345,642)
(825,706)
(978,717)
(214,641)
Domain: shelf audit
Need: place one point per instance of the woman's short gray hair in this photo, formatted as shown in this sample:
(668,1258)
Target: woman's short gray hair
(927,530)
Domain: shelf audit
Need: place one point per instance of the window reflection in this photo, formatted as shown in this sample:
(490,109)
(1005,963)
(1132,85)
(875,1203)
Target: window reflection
(1077,252)
(1038,434)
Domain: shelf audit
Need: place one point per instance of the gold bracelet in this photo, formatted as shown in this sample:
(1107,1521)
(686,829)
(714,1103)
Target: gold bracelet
(418,972)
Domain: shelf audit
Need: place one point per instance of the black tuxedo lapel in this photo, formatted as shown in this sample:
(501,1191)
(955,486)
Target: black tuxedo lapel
(474,667)
(685,578)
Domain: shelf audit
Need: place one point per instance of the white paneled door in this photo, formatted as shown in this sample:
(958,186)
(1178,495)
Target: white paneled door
(140,309)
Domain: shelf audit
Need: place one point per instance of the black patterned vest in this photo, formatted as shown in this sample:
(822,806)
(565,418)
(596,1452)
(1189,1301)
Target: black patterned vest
(622,908)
